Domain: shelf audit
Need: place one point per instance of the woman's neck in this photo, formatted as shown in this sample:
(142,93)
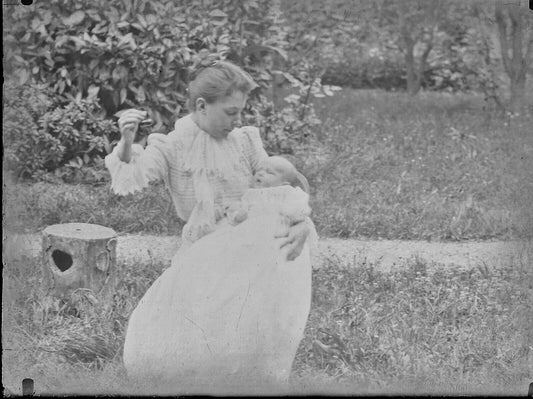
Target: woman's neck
(196,118)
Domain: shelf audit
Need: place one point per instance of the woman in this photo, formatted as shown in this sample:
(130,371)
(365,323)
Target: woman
(207,163)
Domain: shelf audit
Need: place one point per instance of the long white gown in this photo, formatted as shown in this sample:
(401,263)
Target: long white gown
(230,310)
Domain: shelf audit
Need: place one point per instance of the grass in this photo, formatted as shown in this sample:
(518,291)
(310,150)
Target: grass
(436,167)
(420,330)
(417,329)
(383,165)
(33,207)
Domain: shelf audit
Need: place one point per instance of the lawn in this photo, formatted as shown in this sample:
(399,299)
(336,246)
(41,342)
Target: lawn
(437,167)
(382,165)
(410,330)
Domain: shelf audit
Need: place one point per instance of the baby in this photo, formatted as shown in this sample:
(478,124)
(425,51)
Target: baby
(275,171)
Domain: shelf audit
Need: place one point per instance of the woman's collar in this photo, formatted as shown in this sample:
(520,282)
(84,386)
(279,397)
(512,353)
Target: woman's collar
(222,157)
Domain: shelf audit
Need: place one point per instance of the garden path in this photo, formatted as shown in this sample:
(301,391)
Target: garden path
(383,254)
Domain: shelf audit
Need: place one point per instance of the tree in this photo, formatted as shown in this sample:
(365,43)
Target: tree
(375,37)
(515,33)
(414,23)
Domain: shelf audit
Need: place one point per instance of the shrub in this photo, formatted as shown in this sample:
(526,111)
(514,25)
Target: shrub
(27,149)
(140,55)
(389,74)
(42,135)
(370,72)
(284,130)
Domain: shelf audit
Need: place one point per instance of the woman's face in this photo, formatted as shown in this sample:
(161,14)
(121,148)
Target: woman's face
(221,117)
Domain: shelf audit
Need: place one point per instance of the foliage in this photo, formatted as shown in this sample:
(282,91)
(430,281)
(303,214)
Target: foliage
(367,73)
(291,127)
(140,53)
(41,134)
(387,71)
(125,52)
(27,149)
(442,45)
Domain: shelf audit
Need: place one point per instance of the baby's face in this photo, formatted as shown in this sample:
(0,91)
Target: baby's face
(270,174)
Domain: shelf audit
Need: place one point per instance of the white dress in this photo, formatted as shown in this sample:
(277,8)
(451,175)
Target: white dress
(230,310)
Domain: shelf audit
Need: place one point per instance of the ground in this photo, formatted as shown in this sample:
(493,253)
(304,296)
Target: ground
(384,254)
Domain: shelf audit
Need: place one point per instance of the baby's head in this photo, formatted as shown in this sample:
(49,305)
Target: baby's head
(277,171)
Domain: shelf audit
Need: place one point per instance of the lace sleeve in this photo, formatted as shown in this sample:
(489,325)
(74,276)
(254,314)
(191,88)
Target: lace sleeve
(145,165)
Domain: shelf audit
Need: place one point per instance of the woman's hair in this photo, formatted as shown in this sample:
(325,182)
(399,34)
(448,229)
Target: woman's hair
(218,80)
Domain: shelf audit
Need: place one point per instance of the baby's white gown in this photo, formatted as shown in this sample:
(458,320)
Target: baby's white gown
(230,309)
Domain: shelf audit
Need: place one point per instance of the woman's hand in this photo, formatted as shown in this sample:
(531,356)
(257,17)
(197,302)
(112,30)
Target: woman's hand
(295,240)
(128,123)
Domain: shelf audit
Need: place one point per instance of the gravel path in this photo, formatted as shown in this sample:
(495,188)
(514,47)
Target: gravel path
(384,254)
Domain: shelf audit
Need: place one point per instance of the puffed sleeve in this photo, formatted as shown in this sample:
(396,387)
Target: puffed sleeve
(253,146)
(145,165)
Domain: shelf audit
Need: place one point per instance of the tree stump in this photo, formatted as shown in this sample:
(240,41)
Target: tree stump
(79,255)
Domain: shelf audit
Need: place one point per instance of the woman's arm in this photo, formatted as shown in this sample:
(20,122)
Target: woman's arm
(132,167)
(298,232)
(128,123)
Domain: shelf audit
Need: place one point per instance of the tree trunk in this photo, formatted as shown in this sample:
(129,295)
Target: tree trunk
(511,31)
(409,61)
(415,73)
(79,255)
(518,95)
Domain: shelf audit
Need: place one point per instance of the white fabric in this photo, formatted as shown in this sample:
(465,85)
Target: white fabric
(209,156)
(130,176)
(230,309)
(227,164)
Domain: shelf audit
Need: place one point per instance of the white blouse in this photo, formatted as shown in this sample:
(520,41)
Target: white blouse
(203,174)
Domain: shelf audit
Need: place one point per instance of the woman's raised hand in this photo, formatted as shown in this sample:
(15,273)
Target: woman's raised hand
(128,123)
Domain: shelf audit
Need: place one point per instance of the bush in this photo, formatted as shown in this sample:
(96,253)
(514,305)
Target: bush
(42,135)
(369,73)
(27,149)
(138,55)
(389,74)
(285,130)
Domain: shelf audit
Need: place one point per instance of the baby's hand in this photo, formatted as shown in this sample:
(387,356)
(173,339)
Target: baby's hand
(236,213)
(240,216)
